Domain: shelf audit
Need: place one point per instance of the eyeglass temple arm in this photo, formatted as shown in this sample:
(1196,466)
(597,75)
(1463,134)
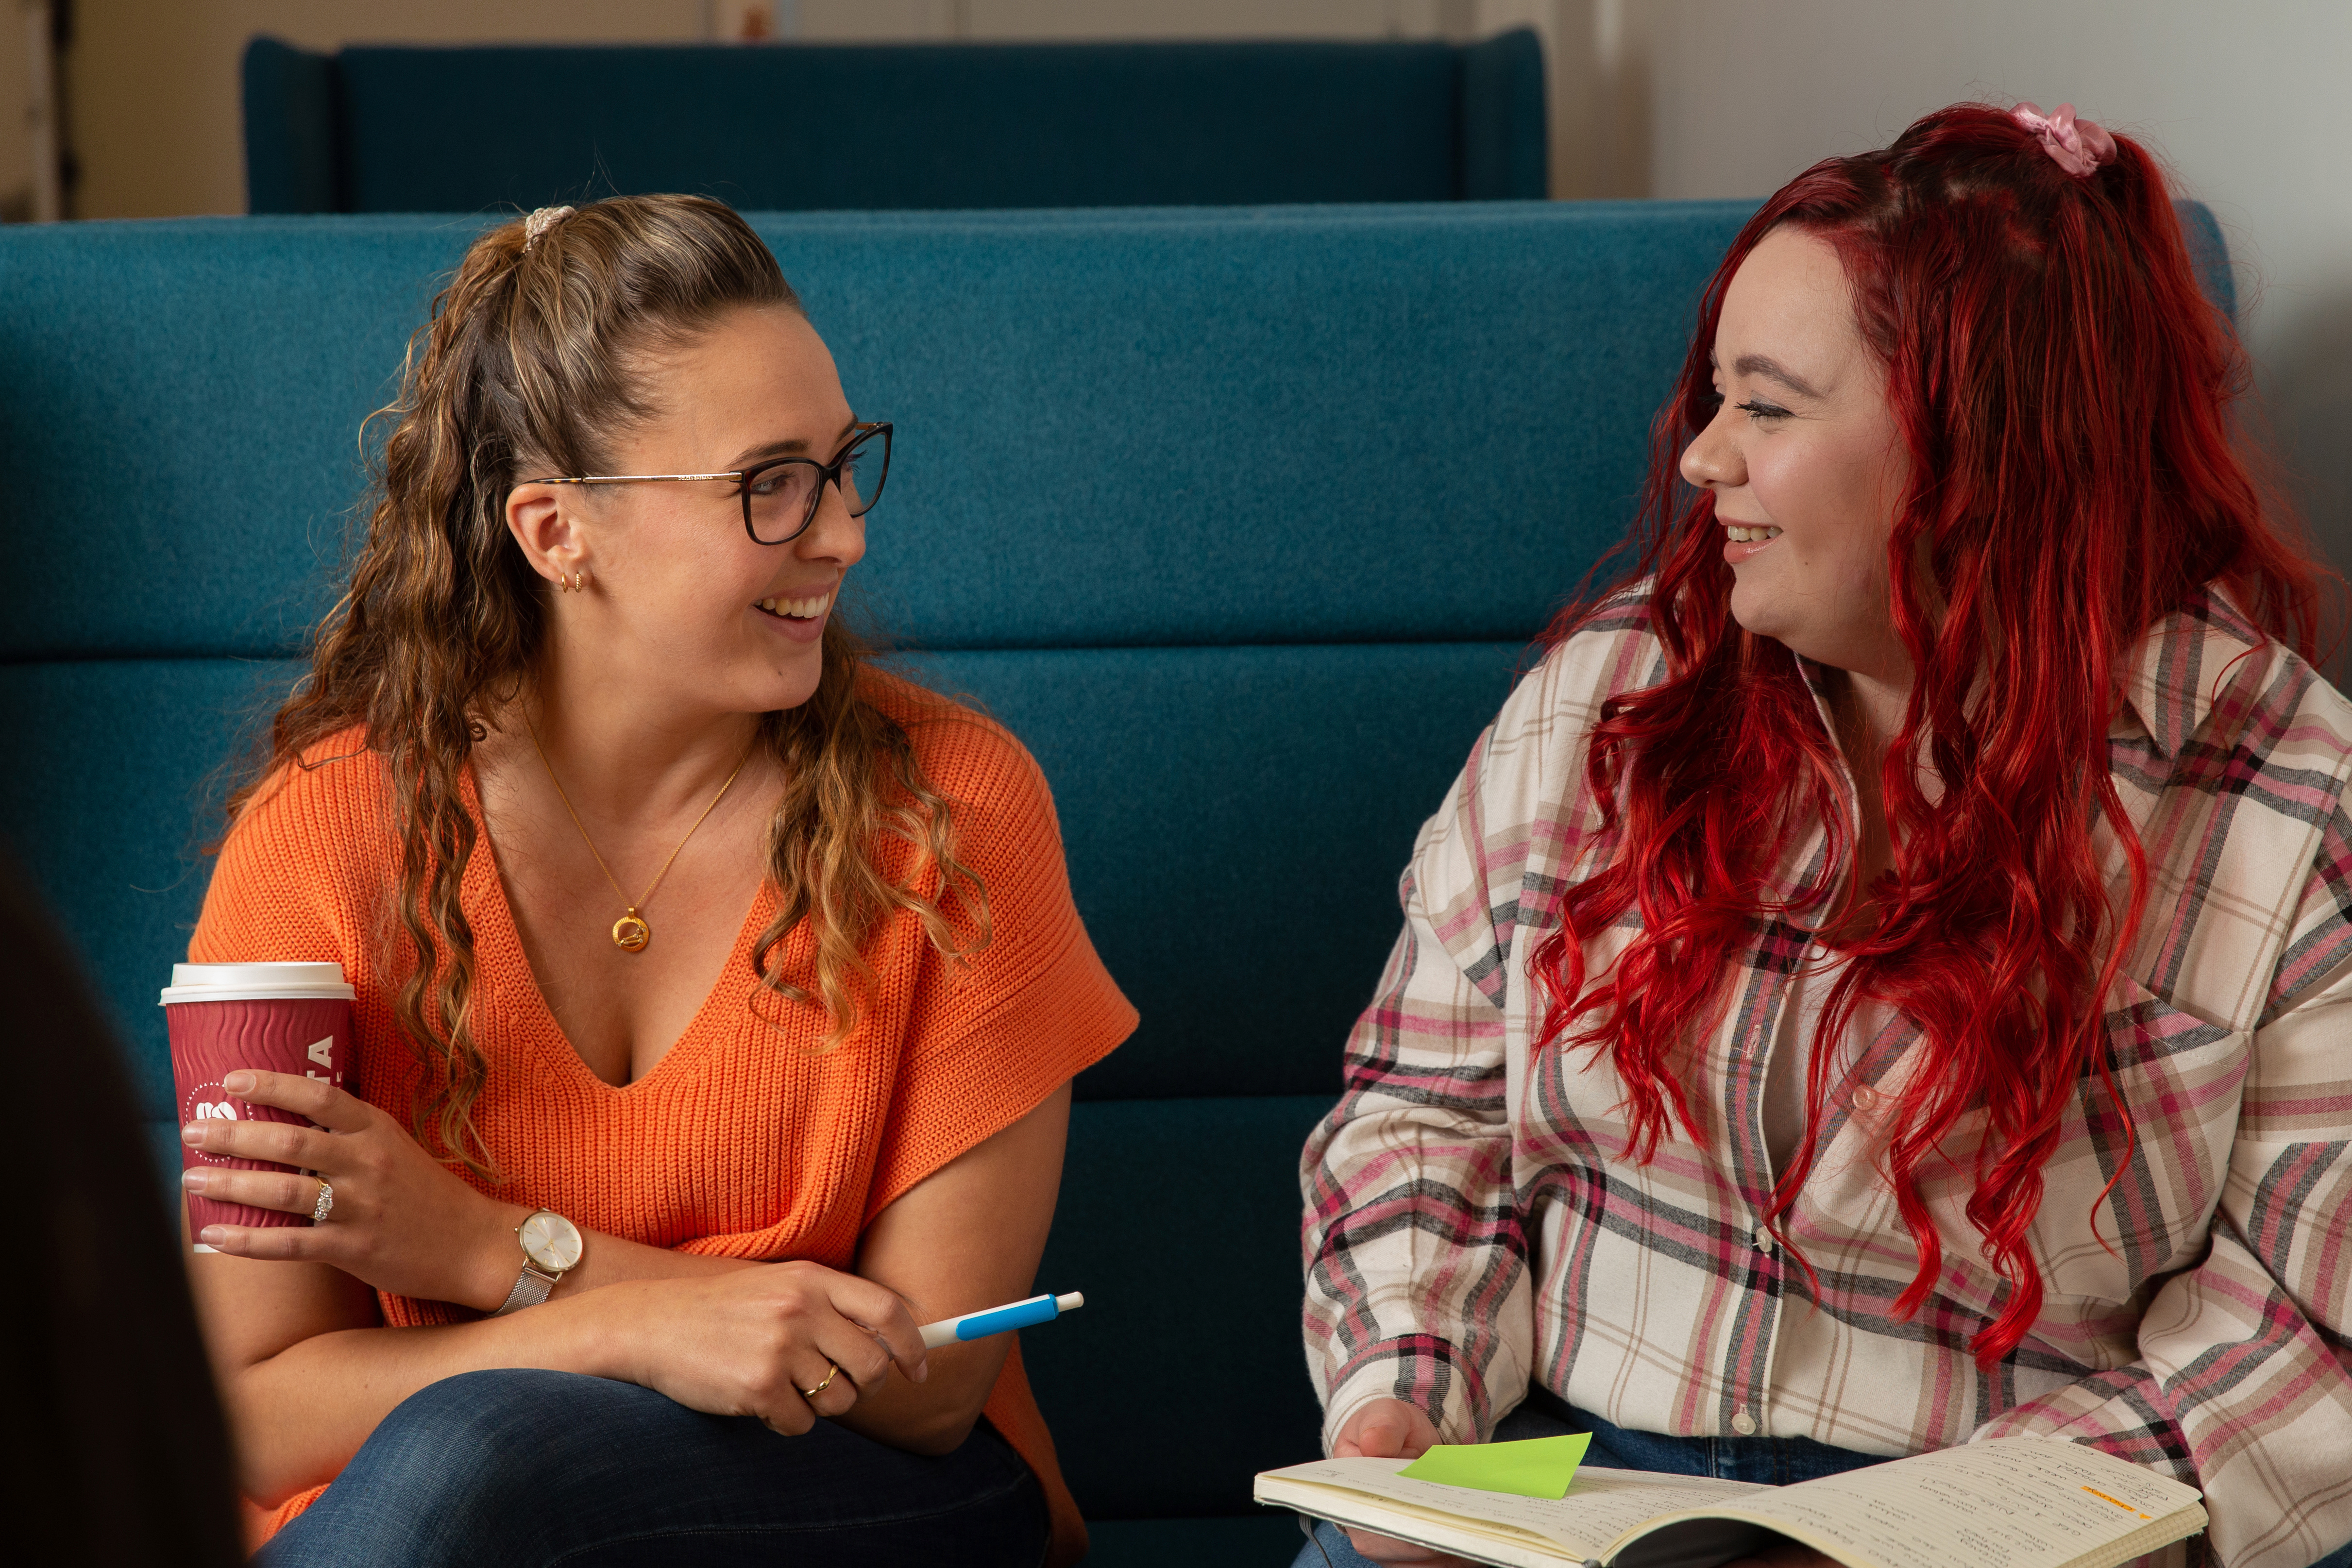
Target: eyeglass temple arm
(737,475)
(627,478)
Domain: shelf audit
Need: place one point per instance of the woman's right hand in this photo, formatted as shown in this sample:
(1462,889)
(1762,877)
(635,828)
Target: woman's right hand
(1390,1429)
(751,1342)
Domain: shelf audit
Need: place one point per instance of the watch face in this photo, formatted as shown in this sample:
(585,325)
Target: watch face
(550,1241)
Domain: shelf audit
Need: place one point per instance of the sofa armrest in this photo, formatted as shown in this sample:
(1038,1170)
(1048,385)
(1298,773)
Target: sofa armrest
(1506,138)
(292,140)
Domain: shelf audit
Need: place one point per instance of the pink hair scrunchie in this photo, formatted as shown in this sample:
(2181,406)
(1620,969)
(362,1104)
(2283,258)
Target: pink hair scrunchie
(2078,146)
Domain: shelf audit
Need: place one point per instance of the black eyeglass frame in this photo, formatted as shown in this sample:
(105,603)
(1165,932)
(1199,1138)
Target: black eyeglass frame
(826,474)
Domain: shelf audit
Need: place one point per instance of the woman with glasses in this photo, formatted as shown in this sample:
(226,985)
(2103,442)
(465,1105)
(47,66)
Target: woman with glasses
(718,994)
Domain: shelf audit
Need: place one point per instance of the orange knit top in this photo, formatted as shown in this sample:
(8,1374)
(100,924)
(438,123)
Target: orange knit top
(747,1140)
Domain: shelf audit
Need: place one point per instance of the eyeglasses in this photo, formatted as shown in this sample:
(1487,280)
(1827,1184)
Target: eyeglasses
(781,498)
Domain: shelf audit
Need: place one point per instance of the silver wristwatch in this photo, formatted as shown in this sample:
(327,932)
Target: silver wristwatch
(550,1249)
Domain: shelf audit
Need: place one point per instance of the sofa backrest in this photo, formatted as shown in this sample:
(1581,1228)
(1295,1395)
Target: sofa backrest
(809,127)
(1241,520)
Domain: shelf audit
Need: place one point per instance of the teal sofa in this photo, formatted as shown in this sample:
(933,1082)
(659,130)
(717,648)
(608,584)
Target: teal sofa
(1241,520)
(830,126)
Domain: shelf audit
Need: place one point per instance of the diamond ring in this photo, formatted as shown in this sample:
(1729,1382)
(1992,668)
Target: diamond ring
(326,1204)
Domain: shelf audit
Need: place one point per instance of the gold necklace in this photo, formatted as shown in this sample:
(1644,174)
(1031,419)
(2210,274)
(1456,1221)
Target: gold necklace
(630,932)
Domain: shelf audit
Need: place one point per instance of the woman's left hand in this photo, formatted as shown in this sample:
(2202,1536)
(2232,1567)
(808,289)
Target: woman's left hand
(401,1220)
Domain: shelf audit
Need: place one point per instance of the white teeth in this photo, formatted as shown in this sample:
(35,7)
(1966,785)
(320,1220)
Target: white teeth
(799,609)
(1746,535)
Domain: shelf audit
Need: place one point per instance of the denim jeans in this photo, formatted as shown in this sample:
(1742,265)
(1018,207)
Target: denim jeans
(528,1469)
(1775,1461)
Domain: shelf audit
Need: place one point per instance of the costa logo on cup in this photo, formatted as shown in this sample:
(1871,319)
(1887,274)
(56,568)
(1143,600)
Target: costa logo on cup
(208,1102)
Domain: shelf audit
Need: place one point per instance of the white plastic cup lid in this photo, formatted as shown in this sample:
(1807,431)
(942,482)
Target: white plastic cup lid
(256,982)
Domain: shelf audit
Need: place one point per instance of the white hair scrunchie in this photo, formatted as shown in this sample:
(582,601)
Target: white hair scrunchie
(540,222)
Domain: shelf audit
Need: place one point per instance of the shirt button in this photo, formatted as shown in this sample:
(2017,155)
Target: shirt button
(1763,1240)
(1865,1098)
(1743,1423)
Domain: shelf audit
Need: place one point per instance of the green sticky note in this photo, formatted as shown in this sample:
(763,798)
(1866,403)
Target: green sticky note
(1539,1467)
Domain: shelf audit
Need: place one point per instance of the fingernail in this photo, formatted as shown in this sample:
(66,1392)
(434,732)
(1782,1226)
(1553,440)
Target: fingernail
(922,1369)
(193,1133)
(212,1235)
(192,1181)
(238,1082)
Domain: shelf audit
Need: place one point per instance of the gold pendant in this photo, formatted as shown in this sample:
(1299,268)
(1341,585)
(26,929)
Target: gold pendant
(630,933)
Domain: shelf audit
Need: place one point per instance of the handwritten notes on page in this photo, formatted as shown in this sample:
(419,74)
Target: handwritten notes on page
(2020,1502)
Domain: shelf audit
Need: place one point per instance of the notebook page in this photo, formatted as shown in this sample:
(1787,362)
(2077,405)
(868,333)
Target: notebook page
(1600,1505)
(2015,1503)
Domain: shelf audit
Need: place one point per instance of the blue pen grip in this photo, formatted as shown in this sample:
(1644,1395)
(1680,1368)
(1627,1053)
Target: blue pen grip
(1019,1315)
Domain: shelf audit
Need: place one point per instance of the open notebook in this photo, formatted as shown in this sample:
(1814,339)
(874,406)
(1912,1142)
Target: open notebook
(2013,1502)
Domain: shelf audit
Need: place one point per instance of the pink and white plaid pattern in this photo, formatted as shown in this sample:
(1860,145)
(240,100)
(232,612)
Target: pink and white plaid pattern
(1471,1226)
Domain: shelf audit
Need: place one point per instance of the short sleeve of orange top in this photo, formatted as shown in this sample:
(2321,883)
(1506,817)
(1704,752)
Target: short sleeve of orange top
(747,1140)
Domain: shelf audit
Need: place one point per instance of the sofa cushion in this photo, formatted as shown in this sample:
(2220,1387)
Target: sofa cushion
(1266,1538)
(115,791)
(1394,424)
(1237,819)
(1183,1376)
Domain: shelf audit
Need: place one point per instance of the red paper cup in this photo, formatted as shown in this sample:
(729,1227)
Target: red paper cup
(273,1018)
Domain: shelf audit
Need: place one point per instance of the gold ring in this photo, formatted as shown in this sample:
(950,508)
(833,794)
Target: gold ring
(833,1371)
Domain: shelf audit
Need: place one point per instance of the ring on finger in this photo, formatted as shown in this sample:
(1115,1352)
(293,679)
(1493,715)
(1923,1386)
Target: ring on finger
(326,1204)
(832,1370)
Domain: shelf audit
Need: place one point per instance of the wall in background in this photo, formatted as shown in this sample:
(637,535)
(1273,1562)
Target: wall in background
(2244,100)
(29,165)
(15,108)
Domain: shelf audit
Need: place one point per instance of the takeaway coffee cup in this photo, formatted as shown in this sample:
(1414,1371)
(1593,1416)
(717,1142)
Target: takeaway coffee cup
(277,1017)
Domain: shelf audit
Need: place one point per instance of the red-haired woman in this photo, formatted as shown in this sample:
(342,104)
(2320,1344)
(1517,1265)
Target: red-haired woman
(1882,981)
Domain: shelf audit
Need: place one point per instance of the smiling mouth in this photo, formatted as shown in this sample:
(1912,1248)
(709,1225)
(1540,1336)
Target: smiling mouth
(807,609)
(1739,534)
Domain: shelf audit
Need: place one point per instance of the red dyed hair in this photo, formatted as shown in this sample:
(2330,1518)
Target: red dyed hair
(2063,390)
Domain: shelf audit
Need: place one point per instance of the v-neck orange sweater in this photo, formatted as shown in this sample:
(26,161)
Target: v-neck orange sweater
(747,1139)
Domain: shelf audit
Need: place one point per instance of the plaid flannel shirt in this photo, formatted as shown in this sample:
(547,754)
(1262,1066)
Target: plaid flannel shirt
(1472,1224)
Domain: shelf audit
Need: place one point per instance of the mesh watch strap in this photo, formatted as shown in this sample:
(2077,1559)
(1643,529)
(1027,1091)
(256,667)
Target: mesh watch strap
(530,1288)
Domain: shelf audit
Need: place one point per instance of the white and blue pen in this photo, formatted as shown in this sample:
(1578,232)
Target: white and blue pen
(1000,1320)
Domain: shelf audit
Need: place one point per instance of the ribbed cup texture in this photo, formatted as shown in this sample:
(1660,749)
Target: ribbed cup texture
(211,1039)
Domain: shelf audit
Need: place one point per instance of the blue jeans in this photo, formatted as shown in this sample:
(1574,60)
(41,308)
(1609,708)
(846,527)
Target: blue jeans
(1775,1461)
(528,1469)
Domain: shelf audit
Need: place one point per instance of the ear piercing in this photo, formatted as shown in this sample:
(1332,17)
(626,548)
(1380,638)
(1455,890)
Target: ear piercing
(571,584)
